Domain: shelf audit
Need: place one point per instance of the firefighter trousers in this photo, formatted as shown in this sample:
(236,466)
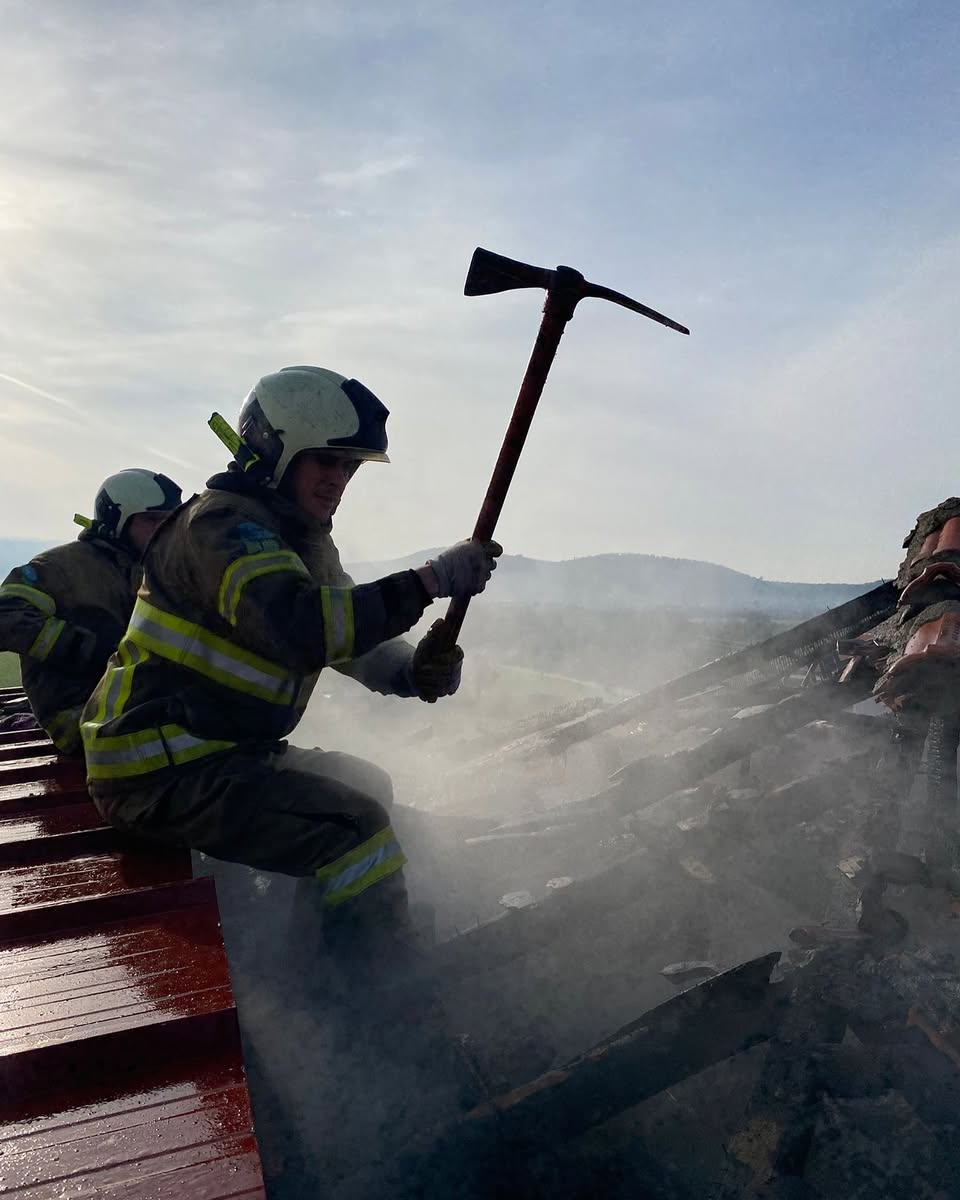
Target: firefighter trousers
(299,812)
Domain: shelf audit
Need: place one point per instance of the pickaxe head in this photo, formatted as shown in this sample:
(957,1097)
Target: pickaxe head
(491,273)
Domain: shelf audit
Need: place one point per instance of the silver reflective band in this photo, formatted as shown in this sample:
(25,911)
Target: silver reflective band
(185,741)
(352,873)
(135,753)
(338,623)
(221,666)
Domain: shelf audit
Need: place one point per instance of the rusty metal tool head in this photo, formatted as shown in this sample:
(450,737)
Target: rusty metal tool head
(565,288)
(490,273)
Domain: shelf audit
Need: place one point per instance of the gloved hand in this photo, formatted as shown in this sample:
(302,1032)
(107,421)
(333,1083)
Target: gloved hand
(435,672)
(463,569)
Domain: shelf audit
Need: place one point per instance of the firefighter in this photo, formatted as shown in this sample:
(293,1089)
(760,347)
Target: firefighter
(923,640)
(243,603)
(65,611)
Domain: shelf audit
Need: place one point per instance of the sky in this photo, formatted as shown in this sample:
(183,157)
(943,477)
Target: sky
(194,195)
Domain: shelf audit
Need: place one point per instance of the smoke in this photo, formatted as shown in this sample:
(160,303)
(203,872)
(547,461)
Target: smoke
(560,898)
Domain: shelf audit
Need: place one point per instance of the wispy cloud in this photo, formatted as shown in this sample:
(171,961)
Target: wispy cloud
(193,195)
(68,405)
(366,172)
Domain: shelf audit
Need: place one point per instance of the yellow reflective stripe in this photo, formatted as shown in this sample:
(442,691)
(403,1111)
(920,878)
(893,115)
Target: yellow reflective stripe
(360,868)
(122,743)
(146,750)
(338,629)
(98,772)
(118,681)
(122,764)
(117,756)
(63,729)
(46,639)
(134,753)
(130,655)
(188,644)
(110,696)
(251,566)
(198,748)
(22,591)
(106,689)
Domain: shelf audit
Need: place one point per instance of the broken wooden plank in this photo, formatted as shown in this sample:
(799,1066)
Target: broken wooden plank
(518,931)
(489,1151)
(856,615)
(649,779)
(652,874)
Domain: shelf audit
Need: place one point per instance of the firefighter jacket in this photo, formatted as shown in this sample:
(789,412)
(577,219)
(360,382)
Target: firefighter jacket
(64,613)
(243,602)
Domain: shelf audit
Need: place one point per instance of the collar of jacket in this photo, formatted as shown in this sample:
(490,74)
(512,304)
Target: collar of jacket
(297,526)
(122,555)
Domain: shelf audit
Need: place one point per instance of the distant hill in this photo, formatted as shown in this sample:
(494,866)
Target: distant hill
(612,582)
(14,551)
(606,582)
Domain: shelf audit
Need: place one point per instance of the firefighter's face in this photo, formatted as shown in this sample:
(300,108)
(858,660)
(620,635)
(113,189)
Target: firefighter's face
(316,481)
(142,526)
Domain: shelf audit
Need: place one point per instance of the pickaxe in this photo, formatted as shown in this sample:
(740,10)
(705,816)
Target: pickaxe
(565,288)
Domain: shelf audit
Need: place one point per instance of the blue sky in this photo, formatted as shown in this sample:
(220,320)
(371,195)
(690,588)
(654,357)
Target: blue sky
(193,195)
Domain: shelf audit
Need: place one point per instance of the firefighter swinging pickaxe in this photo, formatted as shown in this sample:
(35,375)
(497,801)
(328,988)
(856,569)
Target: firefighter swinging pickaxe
(565,288)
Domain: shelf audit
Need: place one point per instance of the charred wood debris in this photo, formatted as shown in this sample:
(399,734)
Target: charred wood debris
(773,887)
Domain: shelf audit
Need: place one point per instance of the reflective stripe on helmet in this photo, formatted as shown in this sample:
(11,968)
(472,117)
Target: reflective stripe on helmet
(251,566)
(46,639)
(360,868)
(32,595)
(190,645)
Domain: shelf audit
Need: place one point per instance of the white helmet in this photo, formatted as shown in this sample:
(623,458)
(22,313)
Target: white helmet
(129,492)
(310,408)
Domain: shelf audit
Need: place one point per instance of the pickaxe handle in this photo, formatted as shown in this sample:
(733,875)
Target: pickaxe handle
(556,313)
(565,287)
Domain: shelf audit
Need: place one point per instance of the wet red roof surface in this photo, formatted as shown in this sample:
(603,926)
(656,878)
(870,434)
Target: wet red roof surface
(120,1066)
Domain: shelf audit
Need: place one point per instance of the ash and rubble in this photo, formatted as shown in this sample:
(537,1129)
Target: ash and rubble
(713,878)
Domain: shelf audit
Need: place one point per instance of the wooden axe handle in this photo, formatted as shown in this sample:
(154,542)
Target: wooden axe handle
(561,301)
(565,287)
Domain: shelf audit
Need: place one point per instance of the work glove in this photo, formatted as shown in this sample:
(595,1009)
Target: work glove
(435,672)
(464,569)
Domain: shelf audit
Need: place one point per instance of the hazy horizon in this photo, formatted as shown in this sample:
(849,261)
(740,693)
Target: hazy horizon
(191,197)
(36,544)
